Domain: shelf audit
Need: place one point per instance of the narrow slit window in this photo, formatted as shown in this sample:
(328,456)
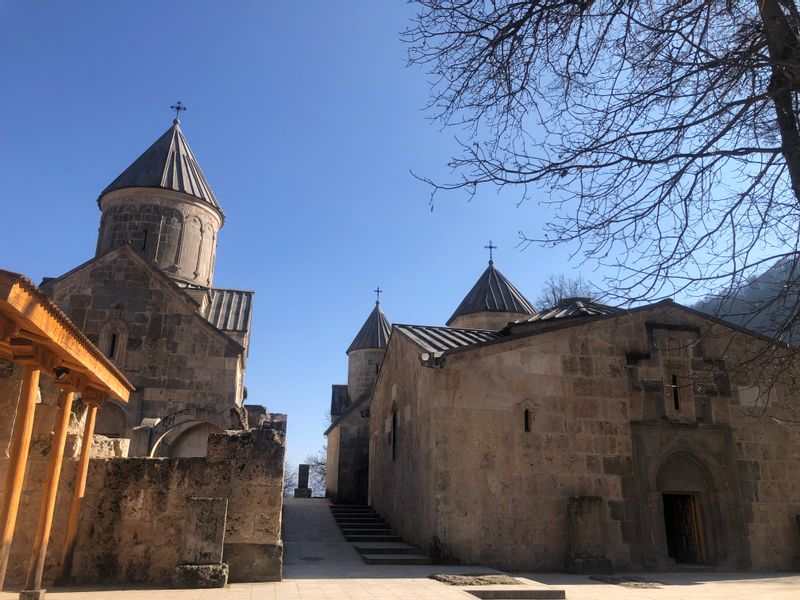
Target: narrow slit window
(394,435)
(144,240)
(676,399)
(112,345)
(526,420)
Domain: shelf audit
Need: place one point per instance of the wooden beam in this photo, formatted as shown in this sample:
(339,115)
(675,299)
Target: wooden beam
(20,444)
(33,580)
(68,551)
(40,320)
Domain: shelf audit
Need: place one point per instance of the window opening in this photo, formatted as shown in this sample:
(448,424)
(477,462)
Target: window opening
(676,400)
(112,345)
(526,420)
(394,435)
(144,240)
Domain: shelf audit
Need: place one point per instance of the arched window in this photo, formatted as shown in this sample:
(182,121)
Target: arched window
(114,340)
(526,420)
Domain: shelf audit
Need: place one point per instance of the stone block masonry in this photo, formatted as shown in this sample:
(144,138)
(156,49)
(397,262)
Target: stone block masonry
(137,510)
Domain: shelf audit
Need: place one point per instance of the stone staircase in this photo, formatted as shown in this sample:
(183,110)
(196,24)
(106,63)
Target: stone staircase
(372,537)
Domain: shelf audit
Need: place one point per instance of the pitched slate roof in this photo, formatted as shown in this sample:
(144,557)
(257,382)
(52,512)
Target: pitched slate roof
(572,307)
(374,333)
(230,310)
(440,339)
(493,293)
(168,164)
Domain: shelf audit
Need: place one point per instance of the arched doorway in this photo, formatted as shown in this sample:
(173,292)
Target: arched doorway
(686,488)
(193,441)
(110,421)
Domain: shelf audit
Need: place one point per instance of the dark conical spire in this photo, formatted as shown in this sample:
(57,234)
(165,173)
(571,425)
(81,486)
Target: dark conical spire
(493,293)
(168,164)
(374,333)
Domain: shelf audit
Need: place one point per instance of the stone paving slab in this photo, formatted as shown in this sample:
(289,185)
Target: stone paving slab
(413,584)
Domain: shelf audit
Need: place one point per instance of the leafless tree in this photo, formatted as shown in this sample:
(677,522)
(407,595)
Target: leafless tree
(317,467)
(289,479)
(664,134)
(558,287)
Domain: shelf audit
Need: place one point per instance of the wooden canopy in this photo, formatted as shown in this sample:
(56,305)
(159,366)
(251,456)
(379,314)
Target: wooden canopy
(34,330)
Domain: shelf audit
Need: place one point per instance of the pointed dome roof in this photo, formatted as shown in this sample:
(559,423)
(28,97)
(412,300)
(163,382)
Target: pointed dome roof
(374,333)
(493,293)
(168,164)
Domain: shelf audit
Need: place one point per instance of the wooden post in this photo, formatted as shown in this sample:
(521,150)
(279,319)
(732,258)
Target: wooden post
(20,444)
(77,495)
(33,580)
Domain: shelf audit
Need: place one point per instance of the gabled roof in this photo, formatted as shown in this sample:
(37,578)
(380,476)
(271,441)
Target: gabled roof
(493,293)
(168,164)
(374,333)
(572,307)
(180,293)
(441,339)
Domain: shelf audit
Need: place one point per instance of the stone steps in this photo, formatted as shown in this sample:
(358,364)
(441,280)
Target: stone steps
(397,559)
(386,548)
(373,538)
(360,525)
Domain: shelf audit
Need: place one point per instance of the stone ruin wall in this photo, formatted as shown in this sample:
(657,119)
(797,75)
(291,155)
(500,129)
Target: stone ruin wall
(134,513)
(137,511)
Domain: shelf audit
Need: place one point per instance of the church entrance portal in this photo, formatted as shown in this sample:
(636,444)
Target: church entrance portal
(684,528)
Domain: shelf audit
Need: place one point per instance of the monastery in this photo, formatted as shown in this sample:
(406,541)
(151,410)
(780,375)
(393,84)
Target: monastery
(581,436)
(157,366)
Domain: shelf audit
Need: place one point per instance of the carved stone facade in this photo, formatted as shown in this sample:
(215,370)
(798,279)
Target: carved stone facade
(628,440)
(173,230)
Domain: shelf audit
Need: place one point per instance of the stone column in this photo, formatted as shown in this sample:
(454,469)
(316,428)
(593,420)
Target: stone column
(20,444)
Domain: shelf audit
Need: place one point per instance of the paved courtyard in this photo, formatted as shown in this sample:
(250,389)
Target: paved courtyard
(321,565)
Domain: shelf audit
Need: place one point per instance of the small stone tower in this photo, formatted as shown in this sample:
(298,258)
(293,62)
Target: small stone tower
(163,206)
(365,354)
(492,303)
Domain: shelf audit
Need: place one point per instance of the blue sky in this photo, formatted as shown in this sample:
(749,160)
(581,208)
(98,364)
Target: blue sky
(306,122)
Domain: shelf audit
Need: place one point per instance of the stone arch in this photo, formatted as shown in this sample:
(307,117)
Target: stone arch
(111,420)
(689,507)
(113,341)
(191,245)
(192,440)
(169,428)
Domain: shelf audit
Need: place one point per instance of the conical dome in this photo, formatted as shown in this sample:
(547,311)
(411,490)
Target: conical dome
(493,293)
(168,164)
(374,333)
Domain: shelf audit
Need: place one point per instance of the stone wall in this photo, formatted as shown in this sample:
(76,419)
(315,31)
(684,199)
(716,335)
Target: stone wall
(180,365)
(169,228)
(348,455)
(362,371)
(134,511)
(486,490)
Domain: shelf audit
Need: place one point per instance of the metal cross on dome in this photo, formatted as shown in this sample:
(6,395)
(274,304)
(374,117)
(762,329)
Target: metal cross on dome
(178,107)
(378,291)
(491,247)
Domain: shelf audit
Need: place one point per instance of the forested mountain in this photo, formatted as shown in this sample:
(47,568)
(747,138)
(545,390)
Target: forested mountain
(768,303)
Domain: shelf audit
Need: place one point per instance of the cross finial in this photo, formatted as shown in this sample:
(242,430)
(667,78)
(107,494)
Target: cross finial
(378,291)
(177,107)
(491,247)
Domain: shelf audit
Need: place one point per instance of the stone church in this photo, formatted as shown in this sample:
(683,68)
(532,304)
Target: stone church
(148,301)
(348,434)
(581,437)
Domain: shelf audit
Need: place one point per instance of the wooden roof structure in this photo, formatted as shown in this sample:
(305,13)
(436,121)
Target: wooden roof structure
(34,329)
